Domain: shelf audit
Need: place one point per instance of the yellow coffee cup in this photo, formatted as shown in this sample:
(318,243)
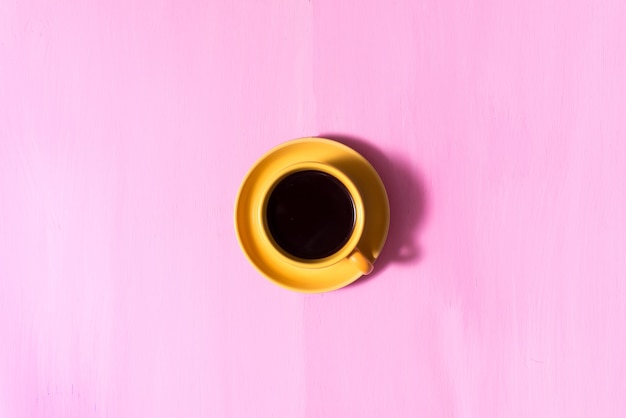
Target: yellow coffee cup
(311,215)
(297,235)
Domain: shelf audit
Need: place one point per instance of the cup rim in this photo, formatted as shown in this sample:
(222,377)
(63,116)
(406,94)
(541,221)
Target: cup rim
(359,215)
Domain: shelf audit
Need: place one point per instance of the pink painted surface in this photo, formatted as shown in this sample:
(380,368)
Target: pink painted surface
(498,127)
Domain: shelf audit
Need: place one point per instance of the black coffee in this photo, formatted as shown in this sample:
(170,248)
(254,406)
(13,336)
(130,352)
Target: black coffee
(310,214)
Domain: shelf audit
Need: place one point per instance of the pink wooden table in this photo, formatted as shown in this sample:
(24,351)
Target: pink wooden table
(499,129)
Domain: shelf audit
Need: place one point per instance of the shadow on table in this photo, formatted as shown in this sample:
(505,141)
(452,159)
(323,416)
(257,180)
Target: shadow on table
(407,203)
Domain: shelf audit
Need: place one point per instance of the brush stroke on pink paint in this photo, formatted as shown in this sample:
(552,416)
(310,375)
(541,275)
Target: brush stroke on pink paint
(498,128)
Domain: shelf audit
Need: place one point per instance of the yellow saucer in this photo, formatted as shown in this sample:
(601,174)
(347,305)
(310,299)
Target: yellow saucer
(256,184)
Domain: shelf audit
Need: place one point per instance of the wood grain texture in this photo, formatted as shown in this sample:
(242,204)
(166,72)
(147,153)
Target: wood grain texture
(126,128)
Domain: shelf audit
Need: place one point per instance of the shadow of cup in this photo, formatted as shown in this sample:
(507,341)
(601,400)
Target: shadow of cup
(407,203)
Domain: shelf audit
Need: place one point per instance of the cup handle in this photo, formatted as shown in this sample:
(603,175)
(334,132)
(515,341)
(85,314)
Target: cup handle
(361,262)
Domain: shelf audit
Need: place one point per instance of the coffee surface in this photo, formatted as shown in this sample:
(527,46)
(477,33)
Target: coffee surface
(310,214)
